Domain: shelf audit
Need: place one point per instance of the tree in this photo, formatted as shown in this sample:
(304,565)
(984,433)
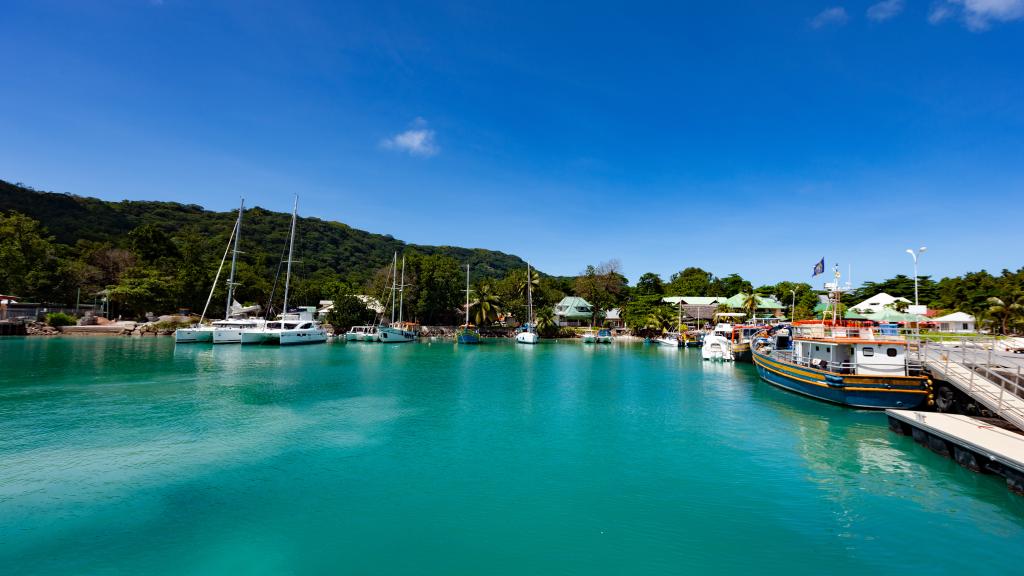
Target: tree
(151,243)
(28,258)
(649,284)
(547,326)
(348,311)
(601,286)
(1007,309)
(439,289)
(486,308)
(691,281)
(733,284)
(141,290)
(750,304)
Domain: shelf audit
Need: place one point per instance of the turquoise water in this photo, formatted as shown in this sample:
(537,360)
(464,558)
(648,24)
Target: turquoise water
(121,456)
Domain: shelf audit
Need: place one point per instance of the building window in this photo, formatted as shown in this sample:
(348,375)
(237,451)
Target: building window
(891,352)
(816,349)
(868,351)
(964,326)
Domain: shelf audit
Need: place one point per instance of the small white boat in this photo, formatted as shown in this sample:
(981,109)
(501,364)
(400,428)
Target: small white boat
(528,335)
(358,333)
(590,337)
(670,340)
(716,347)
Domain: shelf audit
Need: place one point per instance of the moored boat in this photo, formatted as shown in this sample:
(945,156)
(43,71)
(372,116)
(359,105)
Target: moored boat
(396,332)
(528,333)
(358,333)
(604,336)
(846,364)
(669,339)
(467,333)
(589,337)
(716,347)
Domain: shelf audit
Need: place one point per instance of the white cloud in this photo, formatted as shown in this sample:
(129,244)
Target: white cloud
(977,15)
(417,141)
(885,10)
(829,16)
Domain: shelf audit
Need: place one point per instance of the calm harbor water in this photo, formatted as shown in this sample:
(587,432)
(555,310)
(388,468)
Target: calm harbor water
(126,456)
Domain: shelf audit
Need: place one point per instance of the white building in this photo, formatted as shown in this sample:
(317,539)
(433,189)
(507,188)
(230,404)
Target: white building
(955,322)
(877,302)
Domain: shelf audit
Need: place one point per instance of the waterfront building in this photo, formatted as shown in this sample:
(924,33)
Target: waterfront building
(957,322)
(573,311)
(877,302)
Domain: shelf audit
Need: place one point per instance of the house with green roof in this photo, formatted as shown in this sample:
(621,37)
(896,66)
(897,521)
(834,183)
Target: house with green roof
(573,311)
(766,305)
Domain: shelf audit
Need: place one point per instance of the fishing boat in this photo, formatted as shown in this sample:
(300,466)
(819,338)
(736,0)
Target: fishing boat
(528,333)
(293,326)
(843,362)
(740,337)
(396,332)
(467,333)
(200,332)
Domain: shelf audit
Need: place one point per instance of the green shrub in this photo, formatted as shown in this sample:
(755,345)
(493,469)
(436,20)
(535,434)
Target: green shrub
(56,319)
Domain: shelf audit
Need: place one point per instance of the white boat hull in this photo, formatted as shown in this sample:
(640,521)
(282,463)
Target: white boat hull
(527,338)
(716,348)
(310,336)
(229,336)
(259,337)
(395,335)
(192,335)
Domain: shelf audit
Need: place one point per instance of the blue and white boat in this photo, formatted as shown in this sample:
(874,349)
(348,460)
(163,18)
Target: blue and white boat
(467,333)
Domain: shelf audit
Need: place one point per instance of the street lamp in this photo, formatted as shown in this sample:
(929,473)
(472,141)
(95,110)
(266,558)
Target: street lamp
(915,256)
(792,307)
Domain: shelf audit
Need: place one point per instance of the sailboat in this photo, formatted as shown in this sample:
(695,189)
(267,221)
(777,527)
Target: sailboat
(298,327)
(394,332)
(528,333)
(672,339)
(236,317)
(467,334)
(214,332)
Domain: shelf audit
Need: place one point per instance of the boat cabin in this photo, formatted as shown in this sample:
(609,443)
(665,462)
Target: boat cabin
(862,357)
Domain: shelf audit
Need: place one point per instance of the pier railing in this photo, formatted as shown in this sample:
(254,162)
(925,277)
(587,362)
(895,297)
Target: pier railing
(911,366)
(981,368)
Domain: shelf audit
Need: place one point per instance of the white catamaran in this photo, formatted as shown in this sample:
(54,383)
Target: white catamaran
(234,319)
(290,327)
(394,332)
(528,334)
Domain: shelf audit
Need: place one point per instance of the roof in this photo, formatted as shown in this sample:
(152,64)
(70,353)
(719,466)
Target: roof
(890,315)
(955,317)
(613,314)
(763,302)
(693,300)
(878,301)
(574,307)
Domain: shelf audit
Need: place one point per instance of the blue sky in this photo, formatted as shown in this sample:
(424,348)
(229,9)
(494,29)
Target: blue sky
(750,137)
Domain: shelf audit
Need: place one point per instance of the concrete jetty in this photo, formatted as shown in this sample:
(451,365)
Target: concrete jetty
(982,446)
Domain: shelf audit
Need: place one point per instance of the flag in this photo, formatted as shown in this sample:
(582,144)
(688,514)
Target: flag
(819,268)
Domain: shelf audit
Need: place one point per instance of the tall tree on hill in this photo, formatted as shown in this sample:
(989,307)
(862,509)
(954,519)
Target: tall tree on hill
(28,258)
(649,284)
(691,281)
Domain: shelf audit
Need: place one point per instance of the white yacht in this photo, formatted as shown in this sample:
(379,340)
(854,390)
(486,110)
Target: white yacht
(359,334)
(297,326)
(528,334)
(716,347)
(395,332)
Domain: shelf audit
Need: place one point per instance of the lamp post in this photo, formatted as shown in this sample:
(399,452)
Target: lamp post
(792,307)
(915,256)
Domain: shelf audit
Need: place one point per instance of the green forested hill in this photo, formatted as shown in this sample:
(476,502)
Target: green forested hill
(163,255)
(320,244)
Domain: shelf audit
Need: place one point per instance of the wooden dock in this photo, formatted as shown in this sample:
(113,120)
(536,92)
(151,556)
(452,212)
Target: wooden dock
(982,446)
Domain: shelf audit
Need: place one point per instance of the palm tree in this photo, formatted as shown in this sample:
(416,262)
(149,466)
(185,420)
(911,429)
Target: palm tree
(750,304)
(1006,310)
(546,323)
(485,309)
(534,282)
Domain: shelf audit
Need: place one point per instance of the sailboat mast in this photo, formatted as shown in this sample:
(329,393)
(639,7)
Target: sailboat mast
(401,291)
(291,248)
(234,259)
(394,280)
(467,295)
(529,296)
